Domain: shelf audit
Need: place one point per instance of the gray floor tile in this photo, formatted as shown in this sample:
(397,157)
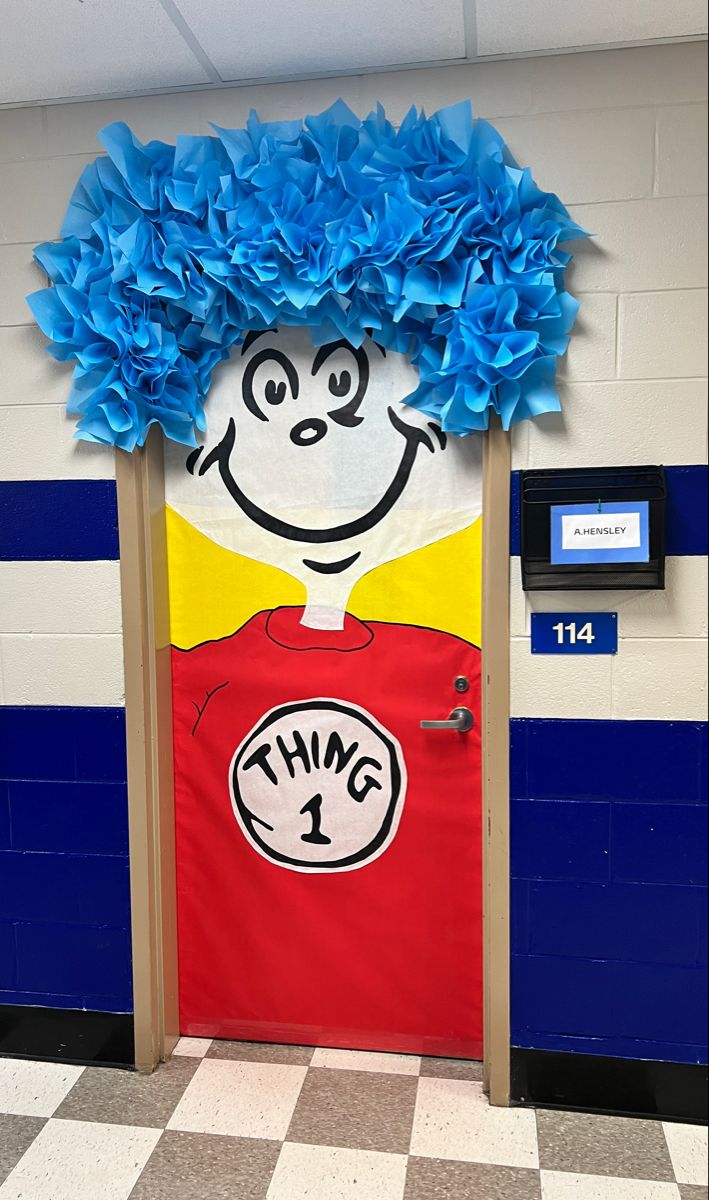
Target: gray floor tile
(128,1098)
(16,1134)
(436,1179)
(356,1110)
(206,1166)
(451,1068)
(689,1192)
(585,1144)
(298,1056)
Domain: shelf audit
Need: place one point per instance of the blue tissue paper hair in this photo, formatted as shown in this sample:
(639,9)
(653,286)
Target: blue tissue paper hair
(426,236)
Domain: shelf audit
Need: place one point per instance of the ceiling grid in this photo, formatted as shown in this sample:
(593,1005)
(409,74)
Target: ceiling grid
(99,49)
(174,14)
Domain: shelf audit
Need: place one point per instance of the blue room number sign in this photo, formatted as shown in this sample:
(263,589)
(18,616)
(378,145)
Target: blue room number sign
(575,633)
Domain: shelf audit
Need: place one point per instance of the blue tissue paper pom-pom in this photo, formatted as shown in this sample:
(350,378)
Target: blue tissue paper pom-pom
(427,236)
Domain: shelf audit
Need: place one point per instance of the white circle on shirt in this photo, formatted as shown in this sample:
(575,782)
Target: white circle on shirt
(318,785)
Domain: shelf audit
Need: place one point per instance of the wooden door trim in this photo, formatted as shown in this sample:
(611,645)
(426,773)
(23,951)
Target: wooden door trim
(146,648)
(146,657)
(496,759)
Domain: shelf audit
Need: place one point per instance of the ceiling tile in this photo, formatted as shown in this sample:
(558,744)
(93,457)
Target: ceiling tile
(60,48)
(512,26)
(286,37)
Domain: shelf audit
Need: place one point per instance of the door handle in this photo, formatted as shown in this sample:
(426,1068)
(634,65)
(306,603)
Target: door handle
(460,721)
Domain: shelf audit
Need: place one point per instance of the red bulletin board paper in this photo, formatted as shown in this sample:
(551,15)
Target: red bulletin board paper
(387,956)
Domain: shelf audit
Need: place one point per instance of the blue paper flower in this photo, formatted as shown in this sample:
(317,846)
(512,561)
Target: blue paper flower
(428,236)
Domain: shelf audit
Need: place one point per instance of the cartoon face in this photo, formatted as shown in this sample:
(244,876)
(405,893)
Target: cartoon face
(313,464)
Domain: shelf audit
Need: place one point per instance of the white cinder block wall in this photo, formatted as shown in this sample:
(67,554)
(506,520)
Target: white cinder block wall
(621,136)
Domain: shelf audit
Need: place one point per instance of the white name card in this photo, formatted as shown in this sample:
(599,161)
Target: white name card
(600,531)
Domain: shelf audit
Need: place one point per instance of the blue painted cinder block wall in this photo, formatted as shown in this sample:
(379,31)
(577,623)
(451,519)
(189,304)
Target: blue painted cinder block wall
(64,881)
(609,888)
(609,866)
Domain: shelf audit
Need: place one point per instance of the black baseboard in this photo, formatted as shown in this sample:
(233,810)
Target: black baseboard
(621,1086)
(67,1035)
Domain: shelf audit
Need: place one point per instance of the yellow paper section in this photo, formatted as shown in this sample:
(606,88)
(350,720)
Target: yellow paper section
(213,591)
(438,586)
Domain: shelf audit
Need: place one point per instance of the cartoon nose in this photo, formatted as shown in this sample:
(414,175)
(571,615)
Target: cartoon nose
(308,432)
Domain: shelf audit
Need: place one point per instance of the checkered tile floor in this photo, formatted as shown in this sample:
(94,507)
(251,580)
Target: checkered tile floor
(238,1121)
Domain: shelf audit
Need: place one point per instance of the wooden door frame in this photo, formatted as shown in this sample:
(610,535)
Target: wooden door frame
(146,652)
(151,825)
(496,763)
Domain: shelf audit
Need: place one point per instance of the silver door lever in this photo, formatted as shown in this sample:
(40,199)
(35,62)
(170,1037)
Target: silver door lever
(460,721)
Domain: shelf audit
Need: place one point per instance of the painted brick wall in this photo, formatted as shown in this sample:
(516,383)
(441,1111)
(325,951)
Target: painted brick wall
(608,796)
(609,836)
(64,880)
(620,135)
(64,885)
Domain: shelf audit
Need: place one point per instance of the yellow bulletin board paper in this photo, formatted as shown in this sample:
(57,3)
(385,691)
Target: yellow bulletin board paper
(213,592)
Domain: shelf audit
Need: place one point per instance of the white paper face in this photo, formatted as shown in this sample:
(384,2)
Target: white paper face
(313,464)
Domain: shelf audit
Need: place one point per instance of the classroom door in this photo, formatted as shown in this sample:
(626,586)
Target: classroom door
(325,587)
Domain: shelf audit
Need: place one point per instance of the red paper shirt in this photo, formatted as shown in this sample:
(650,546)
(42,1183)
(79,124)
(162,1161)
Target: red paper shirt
(383,950)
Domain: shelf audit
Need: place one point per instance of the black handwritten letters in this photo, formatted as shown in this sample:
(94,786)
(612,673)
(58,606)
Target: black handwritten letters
(318,786)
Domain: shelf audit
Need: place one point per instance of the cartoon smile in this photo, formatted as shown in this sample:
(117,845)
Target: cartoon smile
(413,439)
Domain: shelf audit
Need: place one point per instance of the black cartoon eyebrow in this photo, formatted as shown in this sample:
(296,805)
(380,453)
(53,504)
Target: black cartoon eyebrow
(251,337)
(324,352)
(347,414)
(269,354)
(257,333)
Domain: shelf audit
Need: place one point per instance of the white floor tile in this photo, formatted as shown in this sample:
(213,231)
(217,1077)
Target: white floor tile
(193,1047)
(687,1145)
(454,1120)
(77,1160)
(367,1060)
(557,1185)
(326,1173)
(34,1089)
(244,1099)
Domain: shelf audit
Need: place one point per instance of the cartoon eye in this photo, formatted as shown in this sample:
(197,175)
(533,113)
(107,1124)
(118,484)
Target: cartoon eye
(275,392)
(268,378)
(341,383)
(341,386)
